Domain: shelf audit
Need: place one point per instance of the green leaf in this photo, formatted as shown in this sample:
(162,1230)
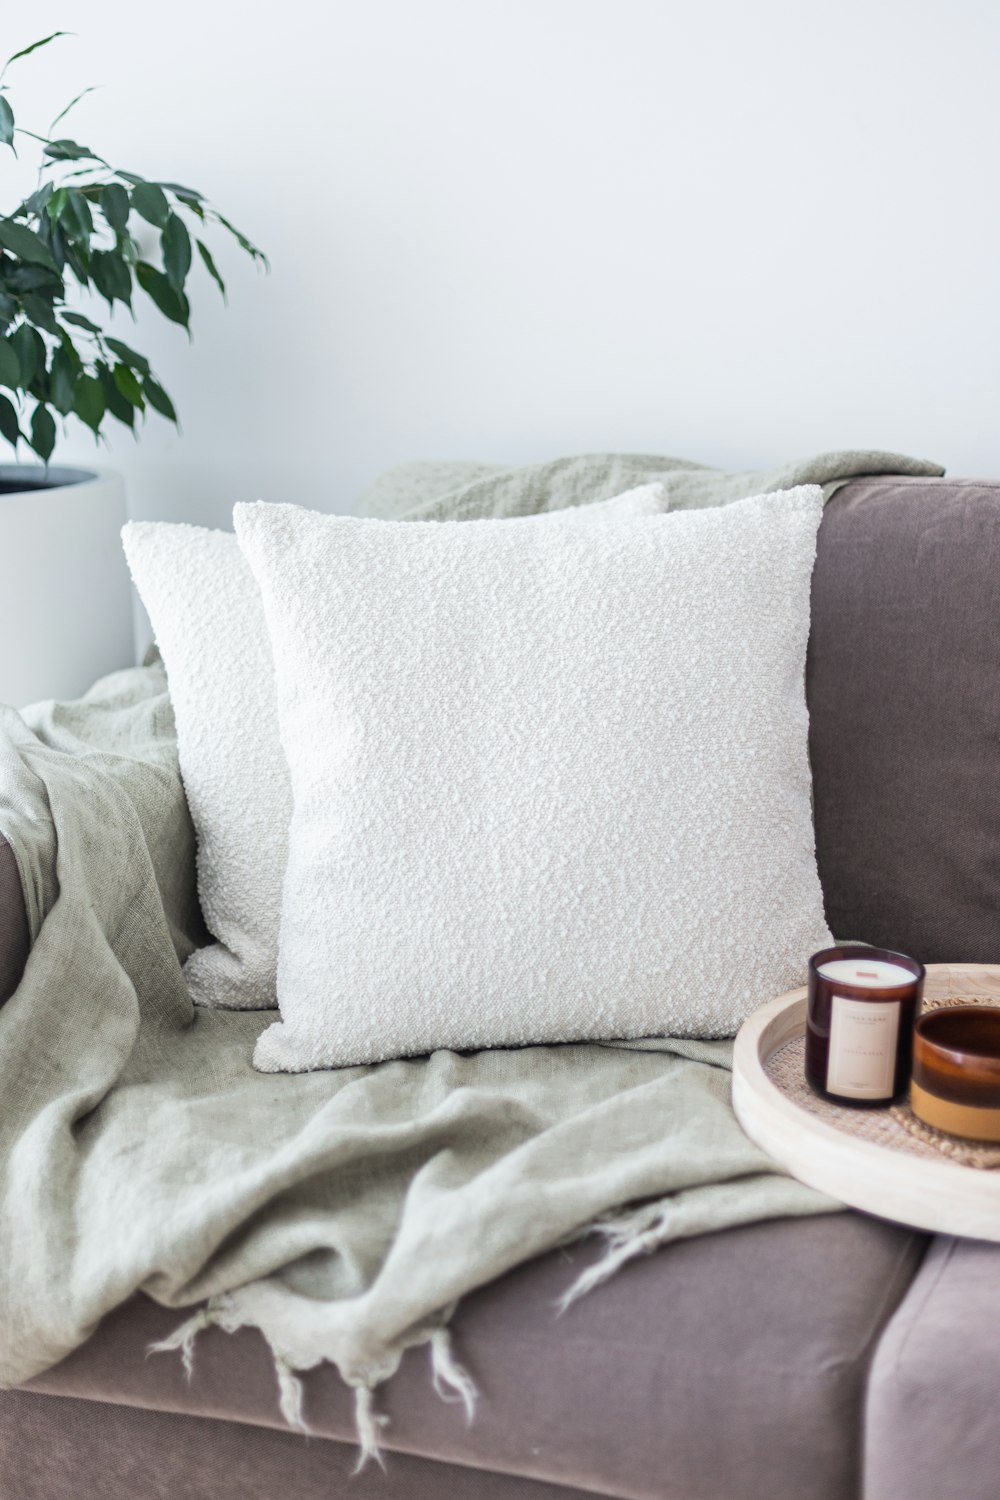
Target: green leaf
(6,123)
(71,105)
(243,242)
(57,203)
(10,366)
(89,401)
(62,380)
(25,243)
(79,262)
(211,267)
(80,321)
(26,51)
(8,308)
(158,399)
(53,236)
(181,191)
(128,356)
(8,421)
(114,202)
(70,350)
(43,432)
(129,386)
(175,243)
(39,312)
(67,150)
(32,279)
(118,406)
(30,351)
(111,276)
(151,202)
(76,218)
(40,199)
(172,304)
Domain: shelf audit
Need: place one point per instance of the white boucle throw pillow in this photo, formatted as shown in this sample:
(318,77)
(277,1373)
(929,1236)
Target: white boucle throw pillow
(209,624)
(549,784)
(207,618)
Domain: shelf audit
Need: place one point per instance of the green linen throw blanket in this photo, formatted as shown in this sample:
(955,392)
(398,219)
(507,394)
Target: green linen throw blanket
(468,491)
(343,1214)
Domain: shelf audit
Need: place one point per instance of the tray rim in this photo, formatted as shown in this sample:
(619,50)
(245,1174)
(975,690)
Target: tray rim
(945,1197)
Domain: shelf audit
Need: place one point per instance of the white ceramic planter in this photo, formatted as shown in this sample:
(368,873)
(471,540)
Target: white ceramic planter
(65,596)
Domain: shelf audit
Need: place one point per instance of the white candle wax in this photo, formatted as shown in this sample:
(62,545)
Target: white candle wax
(868,973)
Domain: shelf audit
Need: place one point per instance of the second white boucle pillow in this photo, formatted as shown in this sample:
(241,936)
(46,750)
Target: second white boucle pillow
(549,784)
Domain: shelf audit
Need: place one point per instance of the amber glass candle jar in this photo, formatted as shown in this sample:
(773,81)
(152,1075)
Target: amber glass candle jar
(859,1025)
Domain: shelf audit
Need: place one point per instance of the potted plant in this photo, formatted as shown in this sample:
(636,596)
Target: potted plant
(89,235)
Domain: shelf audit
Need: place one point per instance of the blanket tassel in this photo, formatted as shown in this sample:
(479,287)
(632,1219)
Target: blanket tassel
(183,1339)
(290,1395)
(449,1376)
(625,1242)
(367,1423)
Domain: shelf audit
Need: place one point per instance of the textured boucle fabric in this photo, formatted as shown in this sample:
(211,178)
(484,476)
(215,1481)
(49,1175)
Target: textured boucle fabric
(550,784)
(209,625)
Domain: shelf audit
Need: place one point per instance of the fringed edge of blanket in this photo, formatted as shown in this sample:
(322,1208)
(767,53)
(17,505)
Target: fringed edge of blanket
(627,1235)
(451,1381)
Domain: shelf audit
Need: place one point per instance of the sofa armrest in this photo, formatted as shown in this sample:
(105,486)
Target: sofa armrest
(15,940)
(931,1430)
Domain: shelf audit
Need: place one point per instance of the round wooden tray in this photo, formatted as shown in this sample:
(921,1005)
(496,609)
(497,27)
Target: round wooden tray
(882,1161)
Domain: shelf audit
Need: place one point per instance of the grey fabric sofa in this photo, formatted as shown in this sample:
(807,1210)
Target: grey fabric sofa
(830,1358)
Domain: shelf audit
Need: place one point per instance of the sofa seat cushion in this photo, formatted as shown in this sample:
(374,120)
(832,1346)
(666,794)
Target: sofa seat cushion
(63,1448)
(728,1365)
(931,1431)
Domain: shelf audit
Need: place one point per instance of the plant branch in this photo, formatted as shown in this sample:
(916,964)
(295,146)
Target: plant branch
(82,221)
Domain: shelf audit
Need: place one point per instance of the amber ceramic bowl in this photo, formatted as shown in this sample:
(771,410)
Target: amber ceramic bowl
(956,1071)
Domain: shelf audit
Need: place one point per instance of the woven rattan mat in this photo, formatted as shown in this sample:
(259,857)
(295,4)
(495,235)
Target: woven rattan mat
(897,1127)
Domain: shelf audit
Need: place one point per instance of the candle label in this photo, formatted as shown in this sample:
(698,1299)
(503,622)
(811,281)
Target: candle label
(862,1058)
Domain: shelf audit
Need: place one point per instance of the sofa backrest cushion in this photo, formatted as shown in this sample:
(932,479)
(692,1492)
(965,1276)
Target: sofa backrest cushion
(904,695)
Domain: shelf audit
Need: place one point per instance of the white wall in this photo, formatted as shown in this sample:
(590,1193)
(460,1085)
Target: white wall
(507,229)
